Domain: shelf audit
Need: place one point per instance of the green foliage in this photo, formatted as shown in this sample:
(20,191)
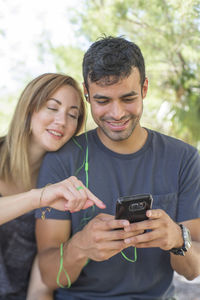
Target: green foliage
(96,18)
(167,32)
(68,60)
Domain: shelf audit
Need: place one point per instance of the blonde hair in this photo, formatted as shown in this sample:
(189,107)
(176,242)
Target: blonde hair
(14,162)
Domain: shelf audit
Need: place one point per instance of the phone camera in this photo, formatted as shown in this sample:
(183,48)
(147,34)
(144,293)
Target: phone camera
(137,206)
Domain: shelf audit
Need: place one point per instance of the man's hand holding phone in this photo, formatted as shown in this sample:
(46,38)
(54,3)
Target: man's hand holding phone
(156,227)
(134,209)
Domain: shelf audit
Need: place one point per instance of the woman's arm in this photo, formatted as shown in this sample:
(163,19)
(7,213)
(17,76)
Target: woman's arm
(14,206)
(69,194)
(37,290)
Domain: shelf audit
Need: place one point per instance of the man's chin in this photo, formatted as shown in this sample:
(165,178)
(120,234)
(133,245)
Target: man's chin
(117,136)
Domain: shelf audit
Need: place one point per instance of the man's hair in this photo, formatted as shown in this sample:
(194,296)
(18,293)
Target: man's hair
(110,59)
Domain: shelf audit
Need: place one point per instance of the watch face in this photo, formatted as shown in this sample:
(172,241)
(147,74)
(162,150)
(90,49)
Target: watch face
(187,238)
(187,242)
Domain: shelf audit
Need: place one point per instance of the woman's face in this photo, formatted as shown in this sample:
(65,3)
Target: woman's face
(56,122)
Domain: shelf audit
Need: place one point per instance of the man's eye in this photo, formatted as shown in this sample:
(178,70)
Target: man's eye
(129,99)
(102,101)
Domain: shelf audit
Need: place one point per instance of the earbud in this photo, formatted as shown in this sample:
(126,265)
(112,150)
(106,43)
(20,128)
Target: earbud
(86,96)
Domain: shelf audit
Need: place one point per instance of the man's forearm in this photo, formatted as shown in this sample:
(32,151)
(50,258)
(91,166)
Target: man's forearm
(73,263)
(188,265)
(73,260)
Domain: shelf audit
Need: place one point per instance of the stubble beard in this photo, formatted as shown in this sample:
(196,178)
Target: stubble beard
(121,135)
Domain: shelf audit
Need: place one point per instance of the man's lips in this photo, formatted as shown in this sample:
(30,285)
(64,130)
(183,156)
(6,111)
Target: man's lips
(117,125)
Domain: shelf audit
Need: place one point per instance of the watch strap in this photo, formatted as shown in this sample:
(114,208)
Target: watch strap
(186,242)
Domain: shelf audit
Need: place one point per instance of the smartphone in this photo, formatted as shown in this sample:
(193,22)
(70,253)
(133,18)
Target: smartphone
(133,208)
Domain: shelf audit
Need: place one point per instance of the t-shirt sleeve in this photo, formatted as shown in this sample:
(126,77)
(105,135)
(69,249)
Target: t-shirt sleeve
(52,170)
(189,188)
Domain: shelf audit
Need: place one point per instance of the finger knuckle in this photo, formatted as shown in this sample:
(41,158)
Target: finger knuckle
(84,196)
(70,179)
(95,226)
(150,235)
(118,235)
(102,255)
(165,244)
(135,226)
(96,239)
(78,198)
(148,224)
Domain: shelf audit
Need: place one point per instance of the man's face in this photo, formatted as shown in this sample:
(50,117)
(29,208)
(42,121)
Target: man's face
(117,108)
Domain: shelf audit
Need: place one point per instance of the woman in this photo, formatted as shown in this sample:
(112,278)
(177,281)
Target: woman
(69,194)
(49,112)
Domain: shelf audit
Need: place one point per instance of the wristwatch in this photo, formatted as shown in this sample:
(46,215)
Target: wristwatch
(187,242)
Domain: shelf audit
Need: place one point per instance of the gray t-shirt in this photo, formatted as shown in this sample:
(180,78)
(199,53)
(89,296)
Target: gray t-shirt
(167,168)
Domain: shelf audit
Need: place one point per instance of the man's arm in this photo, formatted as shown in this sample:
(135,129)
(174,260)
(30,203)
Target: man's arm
(50,234)
(166,234)
(189,265)
(97,241)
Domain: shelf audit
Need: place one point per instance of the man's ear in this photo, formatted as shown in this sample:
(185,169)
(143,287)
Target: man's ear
(85,93)
(145,88)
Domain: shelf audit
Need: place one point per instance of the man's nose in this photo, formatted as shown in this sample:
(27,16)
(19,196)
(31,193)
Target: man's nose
(117,111)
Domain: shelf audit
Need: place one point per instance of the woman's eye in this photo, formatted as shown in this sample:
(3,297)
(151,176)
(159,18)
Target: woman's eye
(52,108)
(73,116)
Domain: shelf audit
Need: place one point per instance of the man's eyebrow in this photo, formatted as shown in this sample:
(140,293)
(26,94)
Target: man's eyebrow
(99,96)
(132,93)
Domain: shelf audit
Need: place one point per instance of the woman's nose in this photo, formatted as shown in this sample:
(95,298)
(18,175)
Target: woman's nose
(61,118)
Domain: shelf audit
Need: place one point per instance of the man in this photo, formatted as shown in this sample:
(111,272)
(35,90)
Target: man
(121,158)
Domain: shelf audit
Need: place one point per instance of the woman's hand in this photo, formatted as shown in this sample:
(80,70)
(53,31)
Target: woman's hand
(70,194)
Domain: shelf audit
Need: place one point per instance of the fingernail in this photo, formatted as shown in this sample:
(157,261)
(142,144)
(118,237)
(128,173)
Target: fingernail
(125,223)
(149,214)
(127,229)
(127,241)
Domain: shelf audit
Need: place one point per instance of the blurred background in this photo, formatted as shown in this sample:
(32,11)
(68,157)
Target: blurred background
(51,36)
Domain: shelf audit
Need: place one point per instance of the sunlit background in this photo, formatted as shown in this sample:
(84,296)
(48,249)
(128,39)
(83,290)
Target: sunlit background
(30,32)
(48,36)
(26,28)
(51,36)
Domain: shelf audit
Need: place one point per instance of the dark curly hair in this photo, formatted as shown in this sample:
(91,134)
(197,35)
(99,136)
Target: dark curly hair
(110,59)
